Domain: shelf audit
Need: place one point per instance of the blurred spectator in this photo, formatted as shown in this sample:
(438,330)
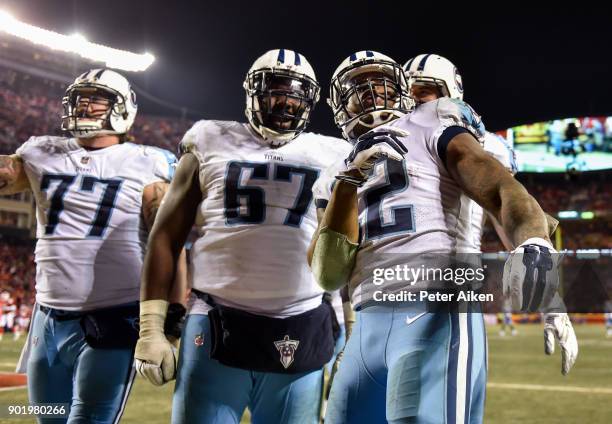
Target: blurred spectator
(18,272)
(556,193)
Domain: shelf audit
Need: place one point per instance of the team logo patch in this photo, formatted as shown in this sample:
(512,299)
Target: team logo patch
(286,348)
(85,160)
(199,340)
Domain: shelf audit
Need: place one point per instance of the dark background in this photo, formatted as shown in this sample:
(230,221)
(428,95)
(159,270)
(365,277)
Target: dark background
(519,64)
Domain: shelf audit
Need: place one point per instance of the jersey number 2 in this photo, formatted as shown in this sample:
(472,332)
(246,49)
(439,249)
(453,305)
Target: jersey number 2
(105,205)
(402,217)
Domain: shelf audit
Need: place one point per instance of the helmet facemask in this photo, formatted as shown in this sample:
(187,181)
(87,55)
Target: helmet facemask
(367,95)
(419,80)
(86,121)
(279,103)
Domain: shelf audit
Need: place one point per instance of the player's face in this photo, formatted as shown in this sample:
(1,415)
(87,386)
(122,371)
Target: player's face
(424,93)
(371,91)
(90,105)
(285,102)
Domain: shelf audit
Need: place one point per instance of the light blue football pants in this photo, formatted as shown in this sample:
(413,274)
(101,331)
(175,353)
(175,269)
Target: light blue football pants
(63,368)
(405,365)
(208,392)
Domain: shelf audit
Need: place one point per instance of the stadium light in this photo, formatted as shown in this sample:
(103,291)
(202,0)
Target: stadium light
(77,44)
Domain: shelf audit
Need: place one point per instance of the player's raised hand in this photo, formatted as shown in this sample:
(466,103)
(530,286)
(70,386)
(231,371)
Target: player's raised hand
(368,149)
(155,357)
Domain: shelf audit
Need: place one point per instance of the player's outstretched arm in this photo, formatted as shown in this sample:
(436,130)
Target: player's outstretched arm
(155,357)
(13,178)
(552,227)
(487,182)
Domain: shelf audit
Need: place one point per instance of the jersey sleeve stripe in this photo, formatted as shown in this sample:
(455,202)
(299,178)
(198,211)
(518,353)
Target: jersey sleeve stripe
(321,203)
(445,138)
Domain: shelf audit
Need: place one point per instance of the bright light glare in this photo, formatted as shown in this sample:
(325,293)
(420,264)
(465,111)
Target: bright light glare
(76,43)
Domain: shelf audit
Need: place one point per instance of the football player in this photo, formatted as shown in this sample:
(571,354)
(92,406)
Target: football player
(432,76)
(257,334)
(96,195)
(396,200)
(506,318)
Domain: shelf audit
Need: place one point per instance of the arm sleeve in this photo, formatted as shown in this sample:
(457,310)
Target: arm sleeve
(23,150)
(193,140)
(454,117)
(454,112)
(444,139)
(165,165)
(323,187)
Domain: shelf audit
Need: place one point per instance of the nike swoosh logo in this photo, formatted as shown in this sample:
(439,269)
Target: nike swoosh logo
(410,320)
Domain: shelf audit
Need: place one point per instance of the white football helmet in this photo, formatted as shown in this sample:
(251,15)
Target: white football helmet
(99,85)
(281,93)
(367,90)
(433,69)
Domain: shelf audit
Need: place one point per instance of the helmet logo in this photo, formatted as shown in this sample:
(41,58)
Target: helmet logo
(458,80)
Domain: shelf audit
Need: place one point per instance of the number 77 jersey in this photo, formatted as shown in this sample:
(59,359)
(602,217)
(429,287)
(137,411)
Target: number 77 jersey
(91,236)
(257,216)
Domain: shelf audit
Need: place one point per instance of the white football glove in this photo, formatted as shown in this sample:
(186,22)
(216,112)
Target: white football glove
(368,149)
(155,357)
(557,326)
(530,276)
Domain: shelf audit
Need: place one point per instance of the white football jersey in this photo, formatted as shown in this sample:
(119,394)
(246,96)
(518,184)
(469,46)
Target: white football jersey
(472,217)
(91,236)
(410,207)
(257,217)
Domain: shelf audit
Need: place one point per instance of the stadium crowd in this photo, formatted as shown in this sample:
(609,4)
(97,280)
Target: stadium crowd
(571,195)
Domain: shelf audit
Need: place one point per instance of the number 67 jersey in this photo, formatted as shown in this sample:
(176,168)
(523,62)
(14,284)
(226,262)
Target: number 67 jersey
(256,217)
(91,236)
